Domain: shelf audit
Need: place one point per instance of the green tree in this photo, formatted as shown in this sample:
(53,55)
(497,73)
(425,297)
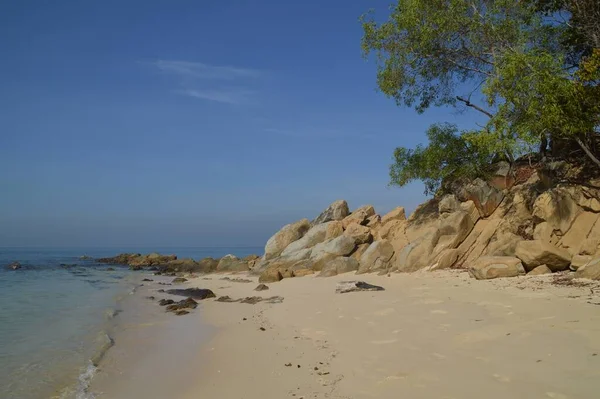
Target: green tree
(511,53)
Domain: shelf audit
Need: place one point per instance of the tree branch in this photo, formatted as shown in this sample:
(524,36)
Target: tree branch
(587,151)
(468,103)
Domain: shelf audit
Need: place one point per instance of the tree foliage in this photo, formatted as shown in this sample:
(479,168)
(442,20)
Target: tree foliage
(533,66)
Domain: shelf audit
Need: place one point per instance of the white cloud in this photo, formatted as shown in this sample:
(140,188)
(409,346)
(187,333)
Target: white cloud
(227,96)
(200,70)
(206,82)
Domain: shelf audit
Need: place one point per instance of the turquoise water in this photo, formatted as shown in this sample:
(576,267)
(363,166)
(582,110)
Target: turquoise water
(54,319)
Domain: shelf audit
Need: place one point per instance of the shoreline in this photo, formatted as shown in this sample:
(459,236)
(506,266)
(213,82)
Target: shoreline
(427,335)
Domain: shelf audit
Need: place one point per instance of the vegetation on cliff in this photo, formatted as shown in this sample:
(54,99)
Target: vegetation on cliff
(532,68)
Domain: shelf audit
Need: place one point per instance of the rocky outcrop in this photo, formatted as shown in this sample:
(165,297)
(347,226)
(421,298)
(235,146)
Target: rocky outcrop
(284,237)
(336,211)
(359,216)
(339,266)
(231,263)
(360,234)
(314,236)
(270,276)
(590,271)
(14,266)
(344,287)
(489,267)
(377,257)
(536,253)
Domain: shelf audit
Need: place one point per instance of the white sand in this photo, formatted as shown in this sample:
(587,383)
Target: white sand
(428,335)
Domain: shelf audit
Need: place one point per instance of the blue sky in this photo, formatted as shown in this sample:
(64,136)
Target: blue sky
(190,123)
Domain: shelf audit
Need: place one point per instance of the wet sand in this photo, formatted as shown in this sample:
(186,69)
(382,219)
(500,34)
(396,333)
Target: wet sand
(428,335)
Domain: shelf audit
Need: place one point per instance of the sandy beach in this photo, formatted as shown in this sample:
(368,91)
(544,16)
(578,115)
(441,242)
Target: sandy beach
(428,335)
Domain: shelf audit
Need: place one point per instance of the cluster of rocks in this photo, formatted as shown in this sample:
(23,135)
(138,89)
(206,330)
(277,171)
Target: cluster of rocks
(170,264)
(502,227)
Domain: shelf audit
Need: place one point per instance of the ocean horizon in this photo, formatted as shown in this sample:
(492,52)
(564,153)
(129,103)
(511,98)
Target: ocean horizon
(58,312)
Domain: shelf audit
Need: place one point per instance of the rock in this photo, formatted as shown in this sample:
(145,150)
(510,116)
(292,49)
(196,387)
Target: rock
(544,232)
(448,204)
(353,286)
(579,261)
(85,257)
(270,276)
(314,236)
(376,257)
(334,230)
(121,259)
(165,302)
(336,211)
(179,280)
(359,216)
(302,272)
(591,270)
(485,197)
(194,293)
(360,234)
(446,260)
(236,280)
(537,253)
(14,266)
(373,221)
(489,267)
(589,246)
(250,258)
(395,214)
(582,225)
(587,198)
(138,261)
(284,237)
(557,208)
(110,269)
(470,208)
(187,303)
(359,251)
(231,263)
(389,230)
(338,266)
(181,312)
(543,269)
(261,287)
(207,265)
(340,246)
(147,279)
(252,300)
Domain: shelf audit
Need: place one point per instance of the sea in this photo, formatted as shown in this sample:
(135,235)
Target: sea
(58,311)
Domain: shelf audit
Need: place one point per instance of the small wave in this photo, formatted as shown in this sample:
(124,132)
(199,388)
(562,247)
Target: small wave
(85,379)
(105,342)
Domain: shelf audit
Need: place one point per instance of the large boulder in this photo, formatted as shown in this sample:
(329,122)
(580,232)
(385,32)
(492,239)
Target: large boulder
(360,234)
(485,197)
(339,246)
(536,253)
(448,204)
(591,270)
(231,263)
(489,267)
(359,251)
(556,207)
(314,236)
(207,265)
(338,266)
(377,257)
(579,231)
(336,211)
(395,214)
(270,276)
(360,216)
(284,237)
(540,270)
(334,230)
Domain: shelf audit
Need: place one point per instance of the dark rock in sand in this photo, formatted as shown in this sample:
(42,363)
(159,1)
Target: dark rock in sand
(161,283)
(195,293)
(226,298)
(161,290)
(236,280)
(261,287)
(351,286)
(165,302)
(151,297)
(110,269)
(179,280)
(14,266)
(147,279)
(187,303)
(181,312)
